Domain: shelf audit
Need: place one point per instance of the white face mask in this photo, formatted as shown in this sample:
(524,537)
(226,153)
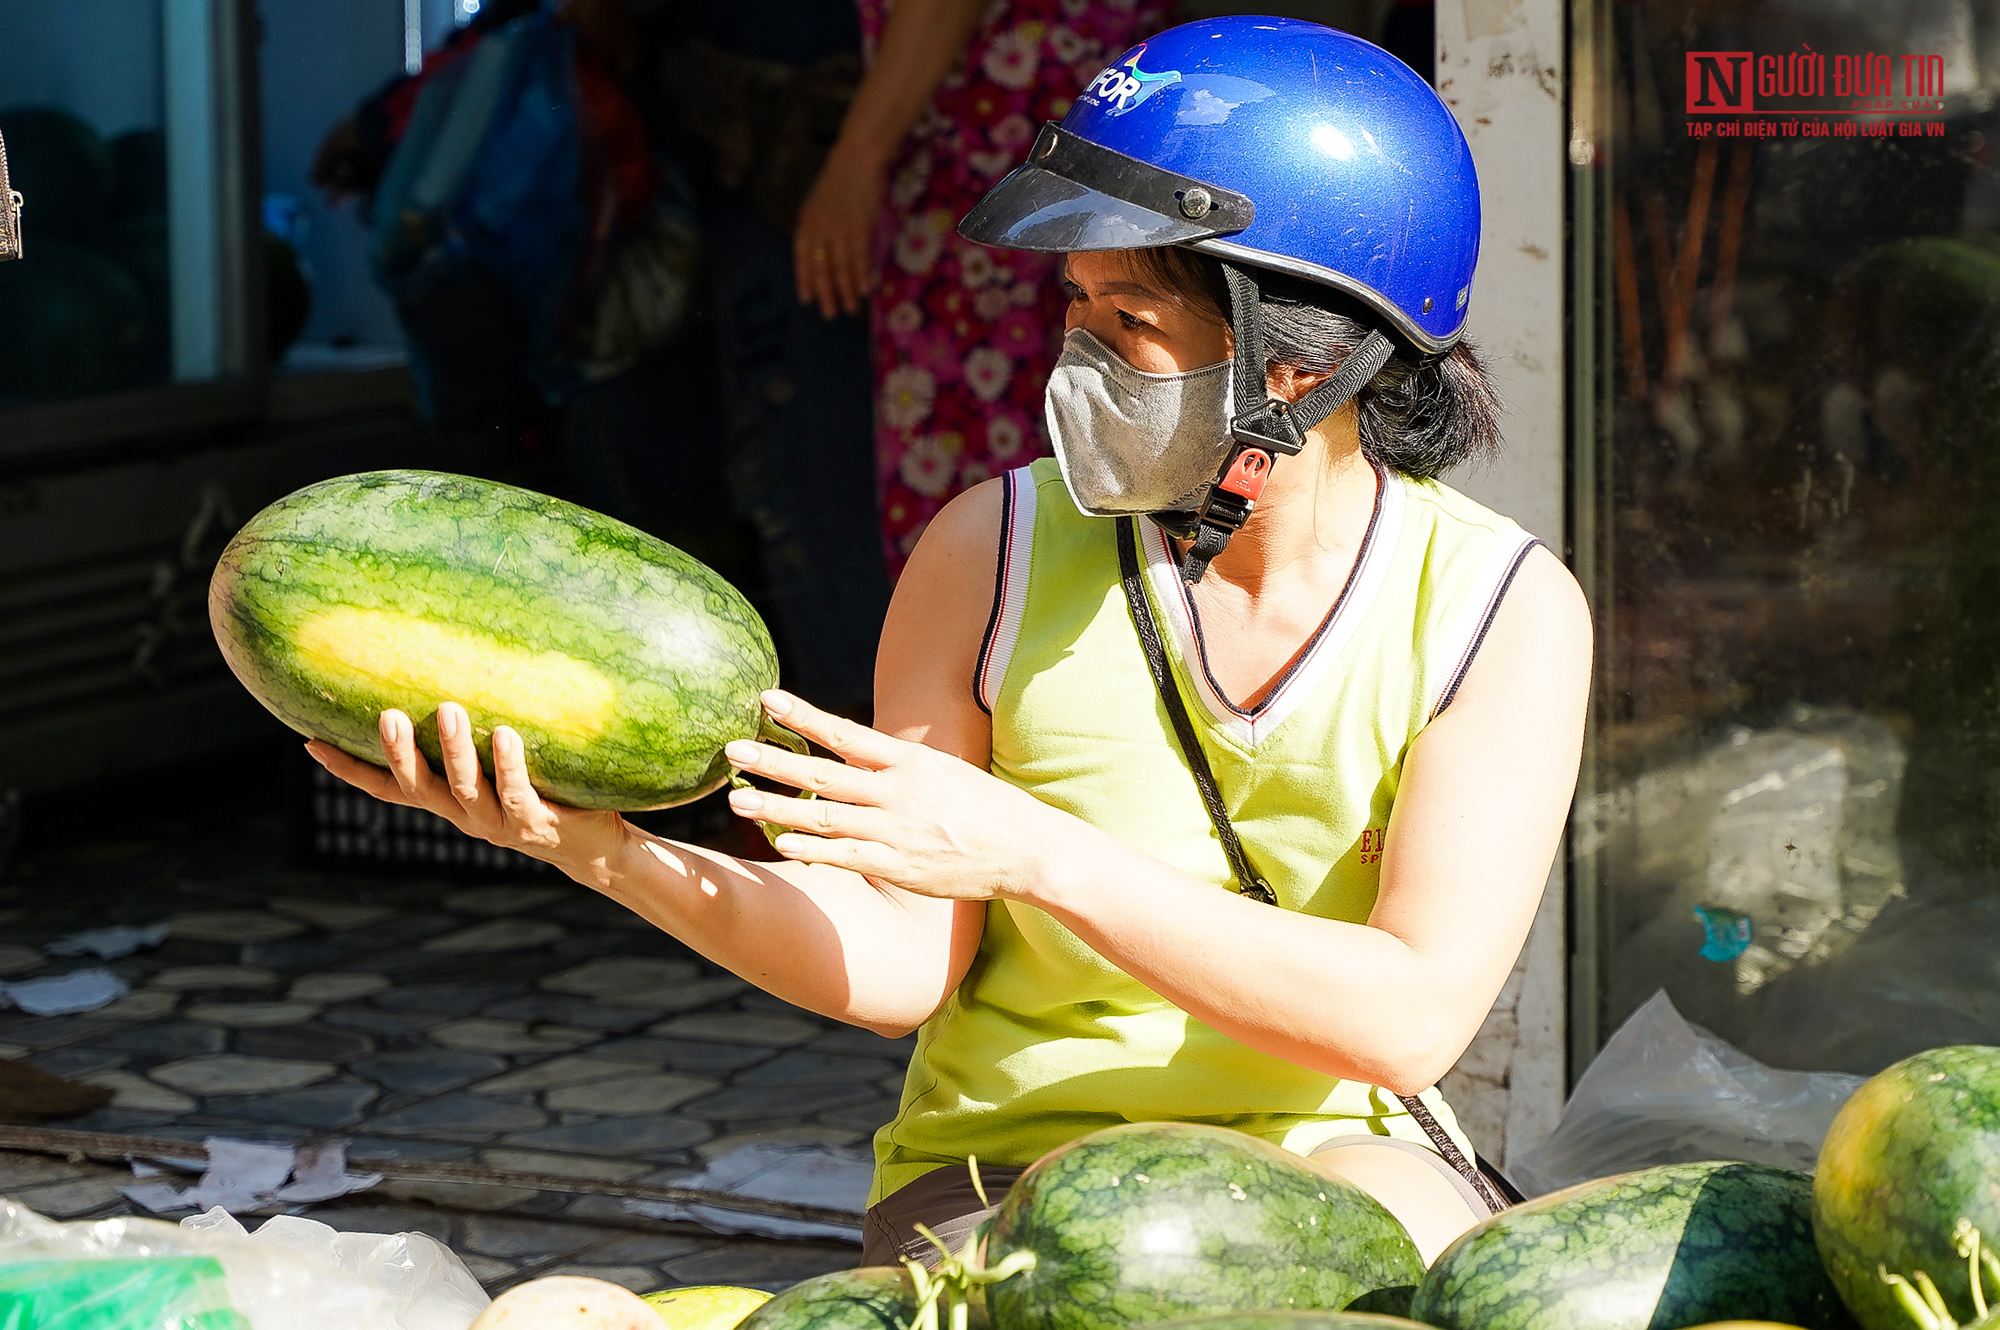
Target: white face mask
(1133,442)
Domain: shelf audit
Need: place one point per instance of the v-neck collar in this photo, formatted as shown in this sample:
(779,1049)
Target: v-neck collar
(1350,607)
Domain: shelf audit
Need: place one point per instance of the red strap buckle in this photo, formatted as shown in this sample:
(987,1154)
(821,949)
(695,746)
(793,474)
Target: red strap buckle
(1247,474)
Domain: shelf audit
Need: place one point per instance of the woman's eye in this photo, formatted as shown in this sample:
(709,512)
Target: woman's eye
(1131,323)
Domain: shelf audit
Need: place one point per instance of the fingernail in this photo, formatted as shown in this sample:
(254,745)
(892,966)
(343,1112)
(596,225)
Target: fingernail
(392,727)
(505,742)
(740,752)
(447,721)
(777,703)
(745,801)
(313,753)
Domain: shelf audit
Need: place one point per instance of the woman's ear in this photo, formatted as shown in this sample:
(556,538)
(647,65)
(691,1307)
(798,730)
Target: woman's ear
(1288,383)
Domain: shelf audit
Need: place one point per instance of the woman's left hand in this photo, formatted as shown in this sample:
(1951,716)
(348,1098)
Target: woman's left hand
(832,248)
(899,813)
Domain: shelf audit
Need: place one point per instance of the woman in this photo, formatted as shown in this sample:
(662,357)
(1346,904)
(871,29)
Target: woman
(1374,688)
(963,337)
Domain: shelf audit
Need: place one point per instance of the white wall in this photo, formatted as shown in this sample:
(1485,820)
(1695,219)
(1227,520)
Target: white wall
(1500,66)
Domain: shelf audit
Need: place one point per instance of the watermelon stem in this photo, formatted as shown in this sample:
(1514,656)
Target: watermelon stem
(978,1186)
(769,731)
(929,1288)
(1924,1316)
(1934,1298)
(1015,1263)
(1970,1248)
(948,1283)
(957,1274)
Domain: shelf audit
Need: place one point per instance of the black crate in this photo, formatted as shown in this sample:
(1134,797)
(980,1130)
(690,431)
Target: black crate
(333,825)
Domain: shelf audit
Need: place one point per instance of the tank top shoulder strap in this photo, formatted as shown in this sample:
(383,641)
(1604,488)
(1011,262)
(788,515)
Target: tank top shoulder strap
(1475,556)
(1010,585)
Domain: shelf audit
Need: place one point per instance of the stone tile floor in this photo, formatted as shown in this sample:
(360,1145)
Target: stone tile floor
(526,1026)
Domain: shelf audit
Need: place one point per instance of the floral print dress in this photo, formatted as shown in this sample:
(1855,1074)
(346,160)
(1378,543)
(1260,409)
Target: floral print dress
(965,336)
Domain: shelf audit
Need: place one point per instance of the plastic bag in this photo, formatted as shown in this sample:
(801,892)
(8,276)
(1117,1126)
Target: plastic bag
(427,1286)
(207,1273)
(1923,975)
(1663,1091)
(1787,833)
(146,1293)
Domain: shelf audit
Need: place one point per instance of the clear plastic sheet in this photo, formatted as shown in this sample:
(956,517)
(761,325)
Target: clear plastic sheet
(1663,1091)
(208,1273)
(427,1286)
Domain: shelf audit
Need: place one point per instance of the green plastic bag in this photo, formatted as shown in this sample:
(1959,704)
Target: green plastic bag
(144,1293)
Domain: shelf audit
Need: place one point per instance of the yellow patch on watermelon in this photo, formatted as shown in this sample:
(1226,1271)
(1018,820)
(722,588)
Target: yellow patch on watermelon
(705,1306)
(398,655)
(1845,1157)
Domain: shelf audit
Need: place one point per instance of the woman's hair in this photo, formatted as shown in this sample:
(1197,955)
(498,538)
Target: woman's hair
(1421,415)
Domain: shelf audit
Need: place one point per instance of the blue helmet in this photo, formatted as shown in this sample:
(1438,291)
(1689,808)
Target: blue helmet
(1270,143)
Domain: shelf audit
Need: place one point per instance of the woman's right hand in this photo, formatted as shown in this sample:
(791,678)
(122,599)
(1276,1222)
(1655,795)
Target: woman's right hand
(505,810)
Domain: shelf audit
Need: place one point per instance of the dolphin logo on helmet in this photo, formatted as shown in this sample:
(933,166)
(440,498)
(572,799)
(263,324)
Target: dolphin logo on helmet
(1128,85)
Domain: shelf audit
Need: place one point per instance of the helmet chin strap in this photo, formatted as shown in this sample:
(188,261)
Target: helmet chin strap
(1265,431)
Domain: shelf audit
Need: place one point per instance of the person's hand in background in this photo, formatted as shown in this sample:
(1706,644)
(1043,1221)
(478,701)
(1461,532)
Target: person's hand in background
(832,249)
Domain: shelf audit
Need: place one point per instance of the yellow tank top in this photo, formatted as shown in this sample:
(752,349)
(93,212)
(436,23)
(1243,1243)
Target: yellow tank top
(1045,1040)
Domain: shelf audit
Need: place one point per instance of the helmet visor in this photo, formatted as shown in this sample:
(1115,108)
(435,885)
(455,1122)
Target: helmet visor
(1074,195)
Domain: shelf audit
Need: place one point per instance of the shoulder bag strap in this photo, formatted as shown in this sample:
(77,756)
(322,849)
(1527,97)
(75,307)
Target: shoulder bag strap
(10,212)
(1248,880)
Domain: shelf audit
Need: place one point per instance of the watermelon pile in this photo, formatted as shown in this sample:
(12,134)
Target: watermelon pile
(1187,1227)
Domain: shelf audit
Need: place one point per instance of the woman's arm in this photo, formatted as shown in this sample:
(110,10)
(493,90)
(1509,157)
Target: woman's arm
(832,247)
(819,937)
(1486,789)
(825,938)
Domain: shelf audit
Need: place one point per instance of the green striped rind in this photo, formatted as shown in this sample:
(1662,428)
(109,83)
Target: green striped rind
(687,654)
(1664,1247)
(877,1297)
(1149,1221)
(1915,1150)
(1290,1321)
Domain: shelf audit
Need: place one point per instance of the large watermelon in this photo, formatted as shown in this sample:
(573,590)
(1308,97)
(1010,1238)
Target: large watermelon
(1152,1220)
(1913,1153)
(624,664)
(1659,1249)
(877,1297)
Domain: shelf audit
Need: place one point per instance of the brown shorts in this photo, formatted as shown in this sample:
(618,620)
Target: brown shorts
(943,1201)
